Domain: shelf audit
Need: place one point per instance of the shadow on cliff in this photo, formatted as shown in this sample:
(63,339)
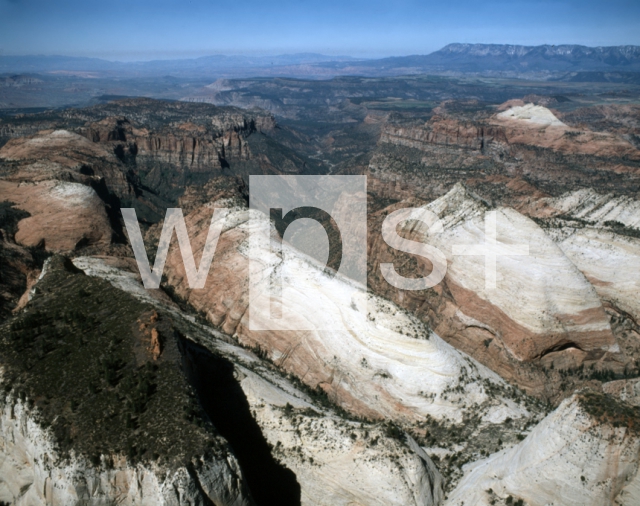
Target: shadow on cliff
(226,405)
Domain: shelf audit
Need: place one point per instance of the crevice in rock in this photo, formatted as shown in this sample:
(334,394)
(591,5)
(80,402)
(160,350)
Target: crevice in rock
(560,347)
(206,501)
(622,314)
(226,405)
(112,208)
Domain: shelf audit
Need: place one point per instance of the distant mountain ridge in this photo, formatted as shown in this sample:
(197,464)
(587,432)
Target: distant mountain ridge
(508,57)
(463,58)
(551,50)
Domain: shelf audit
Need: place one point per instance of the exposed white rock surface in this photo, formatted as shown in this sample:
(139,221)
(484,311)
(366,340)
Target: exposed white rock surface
(370,356)
(121,279)
(591,206)
(610,261)
(531,114)
(569,459)
(539,298)
(627,390)
(74,194)
(334,460)
(32,473)
(374,357)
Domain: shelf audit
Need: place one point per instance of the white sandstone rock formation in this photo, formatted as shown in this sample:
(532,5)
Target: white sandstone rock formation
(588,205)
(627,390)
(541,300)
(336,461)
(594,242)
(372,357)
(569,459)
(610,261)
(531,114)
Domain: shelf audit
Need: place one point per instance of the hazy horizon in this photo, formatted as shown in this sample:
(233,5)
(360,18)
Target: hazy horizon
(267,54)
(142,31)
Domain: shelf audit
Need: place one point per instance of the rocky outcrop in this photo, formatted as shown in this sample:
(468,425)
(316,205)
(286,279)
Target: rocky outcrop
(527,124)
(443,131)
(610,261)
(534,115)
(375,361)
(626,390)
(65,156)
(586,452)
(541,301)
(186,146)
(335,460)
(541,306)
(63,215)
(600,234)
(58,448)
(529,142)
(54,198)
(62,148)
(589,206)
(32,473)
(197,146)
(536,125)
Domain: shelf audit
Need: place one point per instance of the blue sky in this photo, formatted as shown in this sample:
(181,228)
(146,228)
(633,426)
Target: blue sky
(130,30)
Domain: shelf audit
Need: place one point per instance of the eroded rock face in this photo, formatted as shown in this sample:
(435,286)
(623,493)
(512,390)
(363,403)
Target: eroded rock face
(33,474)
(600,234)
(572,458)
(444,131)
(542,307)
(63,215)
(610,261)
(66,156)
(187,145)
(590,206)
(376,361)
(527,124)
(541,301)
(197,146)
(69,185)
(536,125)
(488,151)
(335,460)
(626,390)
(60,146)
